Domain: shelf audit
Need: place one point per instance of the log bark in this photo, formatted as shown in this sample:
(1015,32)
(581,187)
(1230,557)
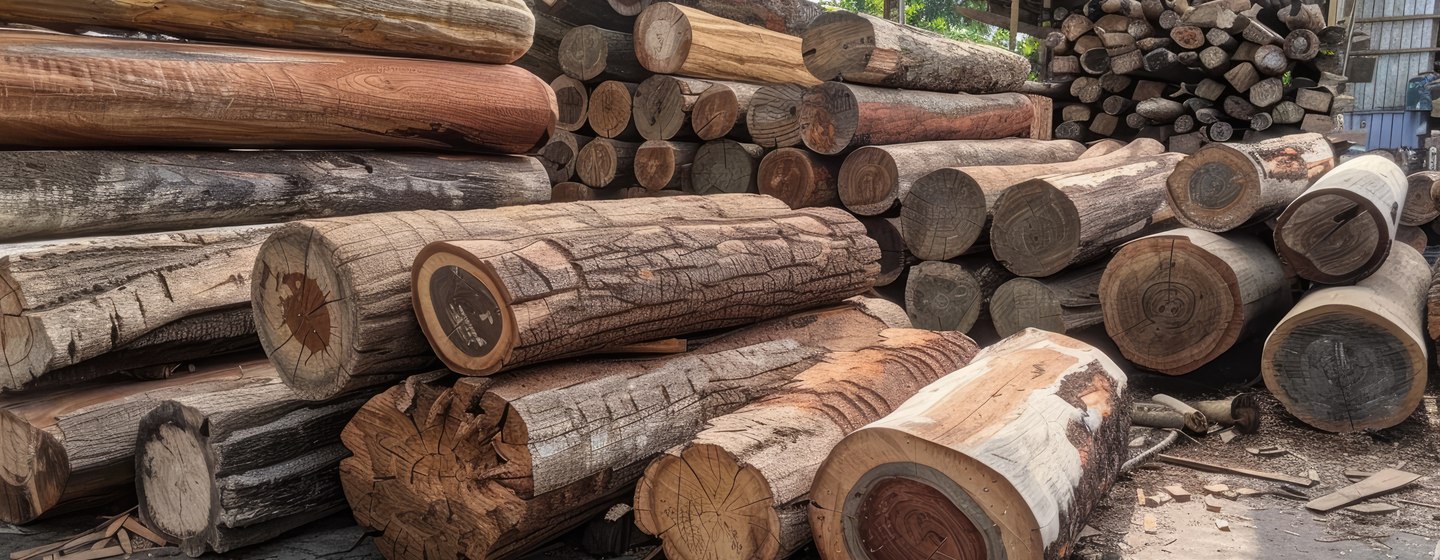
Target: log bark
(604,162)
(543,58)
(664,165)
(720,111)
(493,31)
(353,275)
(1422,200)
(1354,358)
(1340,230)
(726,166)
(586,12)
(1062,303)
(1175,301)
(1225,186)
(559,156)
(1042,226)
(487,306)
(949,473)
(836,117)
(801,178)
(674,39)
(1160,109)
(573,102)
(592,53)
(662,106)
(874,178)
(790,17)
(864,49)
(50,194)
(63,95)
(951,295)
(773,120)
(610,110)
(739,489)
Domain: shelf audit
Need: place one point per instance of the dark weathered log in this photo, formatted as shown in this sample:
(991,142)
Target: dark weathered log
(864,49)
(895,258)
(1270,60)
(1168,19)
(1117,43)
(1340,230)
(604,162)
(1215,59)
(1160,109)
(1220,131)
(951,295)
(801,178)
(1065,65)
(1061,303)
(1140,28)
(1242,76)
(835,116)
(573,192)
(1137,121)
(1057,43)
(1085,44)
(1239,108)
(1076,112)
(660,164)
(592,53)
(1130,62)
(1184,124)
(1245,52)
(1302,44)
(1095,62)
(1223,187)
(676,39)
(586,12)
(1261,121)
(1086,89)
(726,166)
(1105,125)
(1422,201)
(1412,236)
(1146,89)
(573,102)
(1306,16)
(1186,59)
(610,107)
(1210,89)
(558,157)
(1117,105)
(720,111)
(1258,33)
(1188,36)
(543,58)
(1153,43)
(1115,83)
(1186,143)
(662,106)
(1267,92)
(773,120)
(1078,131)
(1221,38)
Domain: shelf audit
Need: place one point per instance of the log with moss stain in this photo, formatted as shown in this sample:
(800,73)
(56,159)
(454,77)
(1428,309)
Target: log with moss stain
(837,116)
(865,49)
(675,39)
(874,178)
(1225,186)
(1340,230)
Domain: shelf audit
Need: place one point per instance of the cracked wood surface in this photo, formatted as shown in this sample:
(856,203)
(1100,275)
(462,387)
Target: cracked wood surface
(951,295)
(836,116)
(865,49)
(773,119)
(1225,186)
(1340,230)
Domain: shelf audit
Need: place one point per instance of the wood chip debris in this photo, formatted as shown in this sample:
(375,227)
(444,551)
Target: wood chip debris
(119,536)
(1178,492)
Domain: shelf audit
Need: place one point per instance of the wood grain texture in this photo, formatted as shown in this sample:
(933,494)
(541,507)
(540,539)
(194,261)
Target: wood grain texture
(837,116)
(1065,302)
(572,103)
(800,178)
(675,39)
(1225,186)
(720,111)
(543,58)
(790,17)
(594,53)
(664,165)
(1340,230)
(1420,200)
(726,166)
(952,295)
(609,110)
(865,49)
(560,155)
(607,163)
(586,12)
(773,120)
(663,104)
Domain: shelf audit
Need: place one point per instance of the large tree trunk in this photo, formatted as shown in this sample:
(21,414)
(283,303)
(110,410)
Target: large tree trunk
(950,295)
(664,165)
(739,488)
(1045,225)
(773,120)
(790,17)
(1225,186)
(674,39)
(860,48)
(1004,458)
(590,53)
(720,111)
(48,194)
(494,31)
(1177,300)
(1061,303)
(1354,358)
(726,166)
(352,275)
(947,210)
(1340,230)
(84,92)
(837,116)
(874,178)
(800,178)
(515,464)
(491,305)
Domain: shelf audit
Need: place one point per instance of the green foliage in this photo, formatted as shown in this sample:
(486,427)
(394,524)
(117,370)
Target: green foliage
(939,16)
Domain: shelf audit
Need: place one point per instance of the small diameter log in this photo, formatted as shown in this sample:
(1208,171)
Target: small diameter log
(1215,59)
(1117,105)
(1132,62)
(1076,25)
(1261,121)
(801,178)
(1422,202)
(1242,76)
(726,166)
(1086,89)
(963,473)
(1160,109)
(1061,303)
(223,470)
(1340,230)
(610,110)
(1242,411)
(874,178)
(951,295)
(1270,60)
(1225,186)
(675,39)
(607,163)
(573,192)
(1267,92)
(1076,112)
(865,49)
(591,53)
(1308,16)
(836,116)
(1319,123)
(1147,89)
(1073,130)
(790,17)
(1354,358)
(353,275)
(1301,44)
(1177,300)
(487,306)
(662,106)
(1168,19)
(895,259)
(720,111)
(1220,131)
(1221,38)
(1115,83)
(1412,236)
(1214,15)
(1042,226)
(1137,121)
(1246,52)
(1065,65)
(1183,124)
(773,120)
(664,165)
(62,94)
(1186,143)
(1188,36)
(1239,108)
(1257,33)
(558,157)
(573,102)
(1210,89)
(762,467)
(1112,23)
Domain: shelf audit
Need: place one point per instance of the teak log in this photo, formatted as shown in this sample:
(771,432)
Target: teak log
(790,17)
(1044,225)
(573,103)
(1225,186)
(489,305)
(1421,206)
(874,178)
(1177,300)
(1011,475)
(590,53)
(610,110)
(801,178)
(773,120)
(662,106)
(559,156)
(725,166)
(675,39)
(604,162)
(720,110)
(950,295)
(1354,358)
(864,49)
(664,165)
(515,467)
(62,94)
(493,31)
(837,116)
(352,275)
(1061,303)
(1341,228)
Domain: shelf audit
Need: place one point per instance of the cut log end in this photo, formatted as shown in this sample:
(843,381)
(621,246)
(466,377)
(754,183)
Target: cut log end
(1378,373)
(33,470)
(896,513)
(1024,303)
(298,300)
(715,113)
(773,120)
(572,103)
(609,109)
(1333,237)
(1039,241)
(664,45)
(723,510)
(799,178)
(838,44)
(944,214)
(463,310)
(659,108)
(1214,189)
(173,470)
(942,296)
(831,115)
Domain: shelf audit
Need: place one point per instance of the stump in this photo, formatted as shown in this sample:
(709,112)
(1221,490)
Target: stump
(1225,186)
(1340,230)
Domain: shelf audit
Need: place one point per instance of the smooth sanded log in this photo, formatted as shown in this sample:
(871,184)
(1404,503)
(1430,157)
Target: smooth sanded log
(493,31)
(487,306)
(874,178)
(516,466)
(726,166)
(1004,458)
(592,53)
(1061,303)
(947,210)
(739,489)
(1340,230)
(62,94)
(1045,225)
(604,162)
(559,156)
(664,165)
(1422,201)
(790,17)
(801,178)
(1175,301)
(610,110)
(573,101)
(573,192)
(1225,186)
(49,194)
(951,295)
(222,470)
(675,39)
(74,448)
(351,278)
(864,49)
(720,111)
(1354,358)
(773,120)
(835,116)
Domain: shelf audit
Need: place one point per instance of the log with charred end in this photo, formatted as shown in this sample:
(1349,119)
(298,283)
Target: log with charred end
(965,472)
(1086,89)
(675,39)
(726,166)
(1221,38)
(352,275)
(1075,26)
(56,194)
(1308,16)
(1242,76)
(874,178)
(745,478)
(951,295)
(1045,225)
(63,95)
(1340,230)
(1184,124)
(1267,92)
(604,162)
(1176,300)
(864,49)
(1076,112)
(1106,125)
(1302,44)
(1239,108)
(1115,83)
(592,53)
(1160,109)
(1095,62)
(573,192)
(1188,36)
(1187,143)
(1214,15)
(836,117)
(773,119)
(1215,60)
(1130,62)
(486,306)
(1061,303)
(1077,131)
(720,111)
(1210,89)
(801,178)
(1354,358)
(559,155)
(573,101)
(1117,105)
(1258,33)
(1065,65)
(1168,19)
(1220,131)
(1315,99)
(1270,60)
(610,107)
(1422,203)
(662,106)
(660,164)
(895,258)
(496,32)
(1261,121)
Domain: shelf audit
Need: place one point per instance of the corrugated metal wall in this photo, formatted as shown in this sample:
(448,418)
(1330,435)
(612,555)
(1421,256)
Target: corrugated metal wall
(1389,129)
(1393,71)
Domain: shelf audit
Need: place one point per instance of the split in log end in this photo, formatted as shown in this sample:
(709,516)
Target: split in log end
(739,506)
